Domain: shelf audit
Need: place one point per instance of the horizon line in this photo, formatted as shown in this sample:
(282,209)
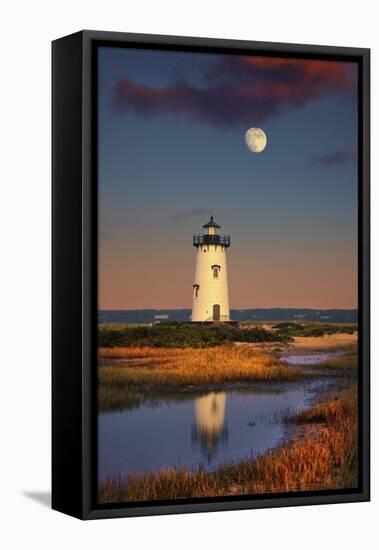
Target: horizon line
(232,308)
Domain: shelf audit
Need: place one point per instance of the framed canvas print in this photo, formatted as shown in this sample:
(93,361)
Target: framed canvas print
(210,275)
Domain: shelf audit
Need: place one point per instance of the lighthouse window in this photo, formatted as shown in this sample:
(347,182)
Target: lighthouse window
(215,269)
(196,290)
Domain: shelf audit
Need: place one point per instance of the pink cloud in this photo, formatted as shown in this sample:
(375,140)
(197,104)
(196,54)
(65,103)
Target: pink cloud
(237,89)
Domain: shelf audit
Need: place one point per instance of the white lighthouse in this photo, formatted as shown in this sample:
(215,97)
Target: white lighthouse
(210,289)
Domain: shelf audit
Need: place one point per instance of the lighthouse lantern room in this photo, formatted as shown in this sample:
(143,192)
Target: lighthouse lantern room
(210,288)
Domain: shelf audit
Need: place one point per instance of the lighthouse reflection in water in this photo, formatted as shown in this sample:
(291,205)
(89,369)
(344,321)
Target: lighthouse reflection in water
(210,430)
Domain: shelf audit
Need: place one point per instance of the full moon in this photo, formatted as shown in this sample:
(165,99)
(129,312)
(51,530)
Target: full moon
(256,140)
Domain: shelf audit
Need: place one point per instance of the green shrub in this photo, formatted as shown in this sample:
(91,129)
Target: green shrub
(184,335)
(312,329)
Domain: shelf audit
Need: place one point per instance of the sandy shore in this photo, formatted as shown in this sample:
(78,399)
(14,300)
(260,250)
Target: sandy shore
(319,343)
(307,344)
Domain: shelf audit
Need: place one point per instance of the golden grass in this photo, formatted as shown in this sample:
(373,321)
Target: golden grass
(137,352)
(328,341)
(116,398)
(325,459)
(334,412)
(148,368)
(346,362)
(124,370)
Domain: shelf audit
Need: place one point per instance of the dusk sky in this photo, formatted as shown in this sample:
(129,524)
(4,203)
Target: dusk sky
(172,151)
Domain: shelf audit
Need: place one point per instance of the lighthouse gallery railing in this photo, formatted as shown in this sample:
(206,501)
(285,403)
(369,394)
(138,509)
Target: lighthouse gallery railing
(223,240)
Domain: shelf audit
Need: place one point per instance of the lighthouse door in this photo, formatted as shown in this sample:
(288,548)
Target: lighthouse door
(216,312)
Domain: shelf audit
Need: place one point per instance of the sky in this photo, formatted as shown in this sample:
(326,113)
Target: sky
(171,152)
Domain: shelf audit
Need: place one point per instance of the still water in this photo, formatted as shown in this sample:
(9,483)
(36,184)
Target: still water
(206,429)
(311,358)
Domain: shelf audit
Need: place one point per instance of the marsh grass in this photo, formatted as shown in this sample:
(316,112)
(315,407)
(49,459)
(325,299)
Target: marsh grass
(116,398)
(127,375)
(158,368)
(346,363)
(333,413)
(123,371)
(326,458)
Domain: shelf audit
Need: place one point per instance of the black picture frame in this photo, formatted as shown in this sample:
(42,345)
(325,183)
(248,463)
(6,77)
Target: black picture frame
(74,274)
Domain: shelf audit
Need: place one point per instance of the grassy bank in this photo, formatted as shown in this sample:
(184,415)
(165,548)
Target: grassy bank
(125,371)
(119,383)
(347,362)
(326,458)
(150,368)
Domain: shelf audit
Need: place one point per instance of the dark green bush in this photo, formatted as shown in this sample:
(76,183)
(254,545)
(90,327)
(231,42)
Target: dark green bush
(185,335)
(312,329)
